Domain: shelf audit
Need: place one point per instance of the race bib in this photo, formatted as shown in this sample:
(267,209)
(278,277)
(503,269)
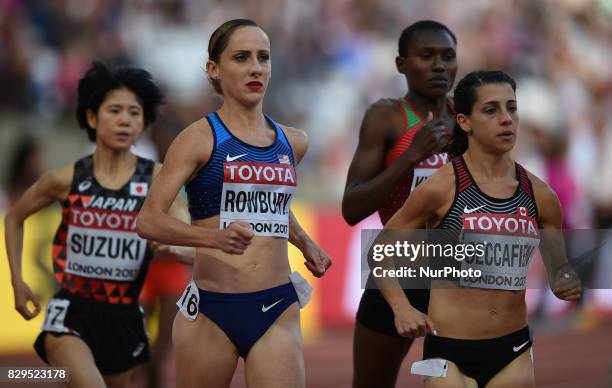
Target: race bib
(260,194)
(102,244)
(56,315)
(302,288)
(427,168)
(510,241)
(189,302)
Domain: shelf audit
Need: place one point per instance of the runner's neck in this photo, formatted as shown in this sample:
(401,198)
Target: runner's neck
(110,164)
(423,105)
(490,166)
(237,116)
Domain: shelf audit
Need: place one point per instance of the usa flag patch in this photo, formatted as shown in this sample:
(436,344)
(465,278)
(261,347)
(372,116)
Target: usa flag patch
(284,159)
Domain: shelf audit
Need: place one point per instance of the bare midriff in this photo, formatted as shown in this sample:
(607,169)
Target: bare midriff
(263,265)
(469,313)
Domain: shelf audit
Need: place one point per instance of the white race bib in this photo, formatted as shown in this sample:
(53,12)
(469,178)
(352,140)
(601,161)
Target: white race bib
(510,241)
(302,288)
(56,315)
(260,194)
(104,254)
(427,168)
(189,301)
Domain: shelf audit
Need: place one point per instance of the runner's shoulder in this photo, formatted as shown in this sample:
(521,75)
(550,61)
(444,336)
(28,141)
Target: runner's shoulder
(298,140)
(62,177)
(546,198)
(57,182)
(381,118)
(445,172)
(198,130)
(383,107)
(541,189)
(440,184)
(295,135)
(196,139)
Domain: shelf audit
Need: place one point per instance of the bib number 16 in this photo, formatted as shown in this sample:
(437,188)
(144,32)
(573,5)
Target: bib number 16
(189,301)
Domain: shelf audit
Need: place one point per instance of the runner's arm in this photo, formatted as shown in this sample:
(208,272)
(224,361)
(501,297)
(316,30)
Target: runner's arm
(563,280)
(52,186)
(178,210)
(191,149)
(368,183)
(421,207)
(317,260)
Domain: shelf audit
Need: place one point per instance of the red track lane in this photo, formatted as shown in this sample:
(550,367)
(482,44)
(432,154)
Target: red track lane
(562,360)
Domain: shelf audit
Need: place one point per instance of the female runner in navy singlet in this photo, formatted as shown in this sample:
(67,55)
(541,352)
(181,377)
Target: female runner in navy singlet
(238,168)
(481,337)
(93,324)
(400,145)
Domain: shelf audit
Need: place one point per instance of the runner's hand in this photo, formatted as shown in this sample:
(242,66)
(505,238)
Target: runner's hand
(567,285)
(432,138)
(317,260)
(236,238)
(23,295)
(412,323)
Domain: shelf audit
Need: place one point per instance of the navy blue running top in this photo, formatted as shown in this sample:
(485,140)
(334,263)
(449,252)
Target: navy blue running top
(245,182)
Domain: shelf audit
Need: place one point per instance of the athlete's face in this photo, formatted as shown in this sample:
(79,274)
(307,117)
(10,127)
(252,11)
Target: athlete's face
(244,66)
(119,120)
(494,119)
(430,64)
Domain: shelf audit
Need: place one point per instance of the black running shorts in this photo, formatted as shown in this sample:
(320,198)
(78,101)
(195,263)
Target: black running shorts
(115,334)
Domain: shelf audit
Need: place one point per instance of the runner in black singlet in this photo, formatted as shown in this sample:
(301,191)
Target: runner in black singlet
(93,324)
(480,322)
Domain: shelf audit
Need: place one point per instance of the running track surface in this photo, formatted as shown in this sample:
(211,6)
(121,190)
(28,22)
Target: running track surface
(563,359)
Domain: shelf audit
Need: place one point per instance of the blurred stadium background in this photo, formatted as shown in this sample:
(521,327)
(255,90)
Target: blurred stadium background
(331,59)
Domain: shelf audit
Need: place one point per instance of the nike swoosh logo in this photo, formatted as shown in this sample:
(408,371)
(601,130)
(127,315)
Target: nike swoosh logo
(466,210)
(265,308)
(138,350)
(232,158)
(517,348)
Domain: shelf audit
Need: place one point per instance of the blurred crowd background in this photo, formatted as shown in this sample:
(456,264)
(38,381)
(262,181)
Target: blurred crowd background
(330,60)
